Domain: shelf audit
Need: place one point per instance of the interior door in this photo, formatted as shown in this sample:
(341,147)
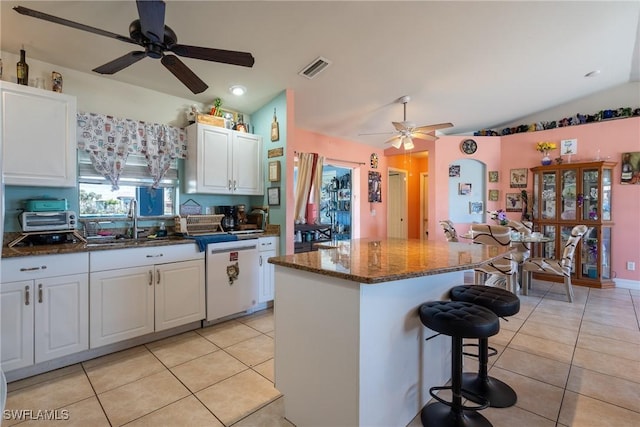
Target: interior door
(397,204)
(424,206)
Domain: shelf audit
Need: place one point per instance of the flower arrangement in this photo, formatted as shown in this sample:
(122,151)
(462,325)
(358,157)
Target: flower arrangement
(545,146)
(499,216)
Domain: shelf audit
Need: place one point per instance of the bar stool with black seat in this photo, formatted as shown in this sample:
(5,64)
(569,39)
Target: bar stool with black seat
(502,303)
(458,320)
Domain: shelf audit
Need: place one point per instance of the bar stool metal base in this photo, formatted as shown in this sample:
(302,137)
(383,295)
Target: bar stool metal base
(499,394)
(438,414)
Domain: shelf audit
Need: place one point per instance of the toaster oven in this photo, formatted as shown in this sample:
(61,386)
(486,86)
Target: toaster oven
(48,221)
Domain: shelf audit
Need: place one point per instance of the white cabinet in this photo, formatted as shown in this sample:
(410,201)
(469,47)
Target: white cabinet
(223,161)
(121,305)
(39,136)
(268,247)
(141,290)
(180,294)
(43,308)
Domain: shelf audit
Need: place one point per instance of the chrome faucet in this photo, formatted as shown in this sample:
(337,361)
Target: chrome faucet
(133,214)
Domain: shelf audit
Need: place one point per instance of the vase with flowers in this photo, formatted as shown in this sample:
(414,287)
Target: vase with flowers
(499,216)
(544,147)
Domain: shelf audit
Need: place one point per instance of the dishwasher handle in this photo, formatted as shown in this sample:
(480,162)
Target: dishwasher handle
(234,249)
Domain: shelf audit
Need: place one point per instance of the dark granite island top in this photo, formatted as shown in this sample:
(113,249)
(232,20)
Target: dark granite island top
(372,261)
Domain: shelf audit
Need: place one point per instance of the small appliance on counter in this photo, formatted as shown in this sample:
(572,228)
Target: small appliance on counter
(230,220)
(47,222)
(45,205)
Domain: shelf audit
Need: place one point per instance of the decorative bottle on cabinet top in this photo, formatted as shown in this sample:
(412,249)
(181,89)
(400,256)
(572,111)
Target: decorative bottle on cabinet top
(22,69)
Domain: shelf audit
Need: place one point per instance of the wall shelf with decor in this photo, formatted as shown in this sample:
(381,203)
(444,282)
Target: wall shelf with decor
(567,195)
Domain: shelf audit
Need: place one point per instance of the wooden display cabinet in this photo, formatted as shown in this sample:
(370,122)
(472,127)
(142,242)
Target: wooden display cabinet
(567,195)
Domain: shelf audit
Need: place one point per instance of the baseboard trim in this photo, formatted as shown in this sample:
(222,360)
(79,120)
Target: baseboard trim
(627,284)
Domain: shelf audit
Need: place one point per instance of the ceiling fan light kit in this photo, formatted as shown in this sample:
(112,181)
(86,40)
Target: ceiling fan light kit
(156,38)
(407,130)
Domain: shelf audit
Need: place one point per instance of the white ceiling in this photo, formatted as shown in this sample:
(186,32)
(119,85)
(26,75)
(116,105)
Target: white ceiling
(475,64)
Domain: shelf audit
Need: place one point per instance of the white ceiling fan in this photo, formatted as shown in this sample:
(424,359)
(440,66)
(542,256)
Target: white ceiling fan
(406,130)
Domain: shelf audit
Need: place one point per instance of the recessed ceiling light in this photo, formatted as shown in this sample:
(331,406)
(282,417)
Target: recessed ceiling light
(593,73)
(238,90)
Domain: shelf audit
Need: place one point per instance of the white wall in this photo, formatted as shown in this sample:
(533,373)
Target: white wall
(99,94)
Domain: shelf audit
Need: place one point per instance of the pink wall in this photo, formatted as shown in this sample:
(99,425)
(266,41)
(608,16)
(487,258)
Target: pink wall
(612,138)
(309,142)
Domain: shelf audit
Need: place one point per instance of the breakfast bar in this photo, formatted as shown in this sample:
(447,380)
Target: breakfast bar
(350,349)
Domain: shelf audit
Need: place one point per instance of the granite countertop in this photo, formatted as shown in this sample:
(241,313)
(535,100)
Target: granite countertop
(93,246)
(382,260)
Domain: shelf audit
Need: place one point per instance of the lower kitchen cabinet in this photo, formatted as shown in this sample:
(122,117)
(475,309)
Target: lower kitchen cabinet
(44,310)
(165,290)
(268,247)
(121,305)
(179,294)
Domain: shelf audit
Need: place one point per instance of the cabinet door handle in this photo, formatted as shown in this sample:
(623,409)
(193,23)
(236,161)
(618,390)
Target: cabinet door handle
(235,185)
(229,185)
(26,295)
(155,256)
(40,293)
(260,260)
(158,277)
(150,278)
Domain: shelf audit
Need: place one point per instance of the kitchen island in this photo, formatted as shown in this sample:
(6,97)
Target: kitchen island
(350,349)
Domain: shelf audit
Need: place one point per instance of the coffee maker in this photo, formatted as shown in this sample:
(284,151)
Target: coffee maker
(230,220)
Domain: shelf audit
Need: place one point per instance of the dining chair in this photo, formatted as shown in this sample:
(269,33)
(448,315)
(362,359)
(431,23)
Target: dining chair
(504,267)
(522,249)
(558,267)
(449,230)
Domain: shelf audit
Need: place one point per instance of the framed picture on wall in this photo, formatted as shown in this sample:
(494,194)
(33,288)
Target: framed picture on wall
(493,176)
(375,187)
(464,188)
(513,202)
(454,171)
(476,207)
(518,178)
(273,196)
(494,195)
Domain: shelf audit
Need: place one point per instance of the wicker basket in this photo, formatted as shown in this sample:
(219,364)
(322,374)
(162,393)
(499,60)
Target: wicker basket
(211,120)
(194,225)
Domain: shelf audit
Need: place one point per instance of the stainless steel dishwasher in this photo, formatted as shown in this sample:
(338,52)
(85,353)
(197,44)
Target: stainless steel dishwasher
(232,277)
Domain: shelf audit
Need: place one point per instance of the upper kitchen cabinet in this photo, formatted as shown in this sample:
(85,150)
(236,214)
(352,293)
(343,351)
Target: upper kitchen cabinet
(39,134)
(223,161)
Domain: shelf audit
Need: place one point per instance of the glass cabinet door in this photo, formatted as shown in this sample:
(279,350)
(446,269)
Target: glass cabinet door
(549,248)
(606,195)
(536,189)
(605,250)
(591,209)
(568,195)
(548,195)
(589,254)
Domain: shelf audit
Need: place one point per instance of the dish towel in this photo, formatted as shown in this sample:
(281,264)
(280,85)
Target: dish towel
(203,241)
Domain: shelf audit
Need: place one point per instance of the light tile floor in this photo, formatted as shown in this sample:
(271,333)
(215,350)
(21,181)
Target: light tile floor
(571,365)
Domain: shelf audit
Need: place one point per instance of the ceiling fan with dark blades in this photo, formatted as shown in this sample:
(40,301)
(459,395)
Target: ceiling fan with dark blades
(156,38)
(406,131)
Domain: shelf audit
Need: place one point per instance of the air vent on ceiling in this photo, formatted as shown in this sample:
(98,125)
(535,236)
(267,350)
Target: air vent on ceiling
(313,69)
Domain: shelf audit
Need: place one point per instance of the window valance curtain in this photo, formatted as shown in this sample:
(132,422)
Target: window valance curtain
(110,140)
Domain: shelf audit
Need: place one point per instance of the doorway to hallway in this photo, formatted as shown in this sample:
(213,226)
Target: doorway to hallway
(397,204)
